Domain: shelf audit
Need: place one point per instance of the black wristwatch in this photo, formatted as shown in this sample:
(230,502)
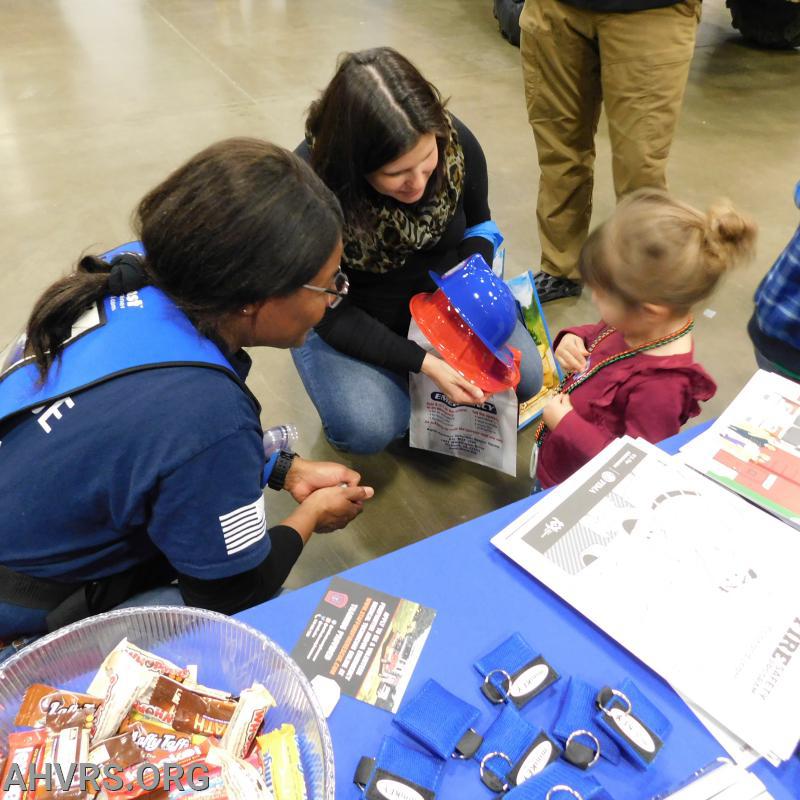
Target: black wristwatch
(281,469)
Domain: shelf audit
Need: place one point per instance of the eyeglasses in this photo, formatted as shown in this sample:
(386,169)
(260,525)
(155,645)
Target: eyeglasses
(341,286)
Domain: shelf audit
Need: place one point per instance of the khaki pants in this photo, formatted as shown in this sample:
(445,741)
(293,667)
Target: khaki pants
(572,61)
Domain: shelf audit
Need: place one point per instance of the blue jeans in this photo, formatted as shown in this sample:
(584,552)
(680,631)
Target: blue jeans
(363,408)
(160,596)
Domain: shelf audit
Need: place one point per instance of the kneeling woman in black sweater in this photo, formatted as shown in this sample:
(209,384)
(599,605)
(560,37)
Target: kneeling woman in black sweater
(412,182)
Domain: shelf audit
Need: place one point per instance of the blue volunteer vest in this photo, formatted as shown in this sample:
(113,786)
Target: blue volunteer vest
(137,331)
(125,333)
(128,333)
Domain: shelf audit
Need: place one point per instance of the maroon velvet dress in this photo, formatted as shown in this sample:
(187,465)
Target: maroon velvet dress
(645,395)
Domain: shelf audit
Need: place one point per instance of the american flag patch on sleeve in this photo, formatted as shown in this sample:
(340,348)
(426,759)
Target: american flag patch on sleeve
(244,526)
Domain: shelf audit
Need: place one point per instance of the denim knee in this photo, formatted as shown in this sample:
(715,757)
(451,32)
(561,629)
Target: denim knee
(367,431)
(531,377)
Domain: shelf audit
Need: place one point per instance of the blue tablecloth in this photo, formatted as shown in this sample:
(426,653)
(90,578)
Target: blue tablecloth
(481,597)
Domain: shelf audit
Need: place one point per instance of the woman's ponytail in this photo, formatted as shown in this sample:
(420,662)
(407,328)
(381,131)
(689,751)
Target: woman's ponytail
(60,307)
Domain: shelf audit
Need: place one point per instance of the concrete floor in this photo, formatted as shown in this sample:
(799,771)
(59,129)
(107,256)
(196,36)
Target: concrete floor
(100,99)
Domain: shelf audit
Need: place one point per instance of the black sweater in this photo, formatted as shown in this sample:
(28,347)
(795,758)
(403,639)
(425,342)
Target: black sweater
(371,324)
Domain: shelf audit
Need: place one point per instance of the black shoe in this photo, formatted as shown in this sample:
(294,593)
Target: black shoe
(551,287)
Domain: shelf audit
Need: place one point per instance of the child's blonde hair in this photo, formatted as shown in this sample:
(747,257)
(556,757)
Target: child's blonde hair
(655,249)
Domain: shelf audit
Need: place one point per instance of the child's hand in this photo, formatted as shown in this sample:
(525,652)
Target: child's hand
(571,353)
(556,410)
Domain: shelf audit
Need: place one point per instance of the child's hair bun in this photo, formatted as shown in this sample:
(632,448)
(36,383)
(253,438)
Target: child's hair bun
(729,236)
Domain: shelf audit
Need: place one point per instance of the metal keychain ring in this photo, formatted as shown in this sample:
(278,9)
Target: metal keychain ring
(621,696)
(502,692)
(584,732)
(563,788)
(497,754)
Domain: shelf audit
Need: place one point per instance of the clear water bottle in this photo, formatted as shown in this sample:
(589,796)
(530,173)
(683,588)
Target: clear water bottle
(280,437)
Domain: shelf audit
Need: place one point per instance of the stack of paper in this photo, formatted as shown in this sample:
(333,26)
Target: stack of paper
(697,582)
(754,447)
(720,781)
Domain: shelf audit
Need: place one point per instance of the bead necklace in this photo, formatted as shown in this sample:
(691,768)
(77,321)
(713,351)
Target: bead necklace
(541,430)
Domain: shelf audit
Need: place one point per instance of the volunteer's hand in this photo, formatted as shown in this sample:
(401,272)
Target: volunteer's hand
(571,353)
(455,386)
(328,509)
(556,410)
(305,477)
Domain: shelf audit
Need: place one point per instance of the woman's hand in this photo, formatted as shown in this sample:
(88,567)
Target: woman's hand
(455,386)
(556,410)
(571,353)
(305,477)
(328,509)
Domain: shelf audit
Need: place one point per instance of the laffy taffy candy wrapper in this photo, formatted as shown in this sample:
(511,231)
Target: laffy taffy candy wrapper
(47,707)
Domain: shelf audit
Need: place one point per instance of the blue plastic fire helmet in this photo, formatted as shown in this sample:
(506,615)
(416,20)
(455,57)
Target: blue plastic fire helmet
(483,301)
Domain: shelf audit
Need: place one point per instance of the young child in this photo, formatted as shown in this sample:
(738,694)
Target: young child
(634,371)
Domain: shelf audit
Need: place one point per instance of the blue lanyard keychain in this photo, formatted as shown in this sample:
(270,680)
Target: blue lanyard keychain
(515,671)
(559,782)
(441,722)
(513,750)
(585,739)
(633,722)
(397,771)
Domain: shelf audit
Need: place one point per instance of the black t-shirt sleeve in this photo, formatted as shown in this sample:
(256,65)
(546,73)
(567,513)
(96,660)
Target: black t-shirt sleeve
(238,592)
(354,332)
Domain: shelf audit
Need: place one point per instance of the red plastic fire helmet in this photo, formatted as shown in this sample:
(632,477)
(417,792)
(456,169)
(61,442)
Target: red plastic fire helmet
(460,347)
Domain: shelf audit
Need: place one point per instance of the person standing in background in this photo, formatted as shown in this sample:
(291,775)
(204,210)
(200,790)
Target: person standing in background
(634,57)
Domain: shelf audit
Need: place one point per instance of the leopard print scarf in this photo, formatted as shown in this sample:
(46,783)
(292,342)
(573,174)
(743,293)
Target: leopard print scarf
(393,231)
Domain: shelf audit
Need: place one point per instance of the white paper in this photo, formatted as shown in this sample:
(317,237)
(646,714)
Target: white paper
(724,782)
(742,754)
(699,584)
(485,434)
(753,449)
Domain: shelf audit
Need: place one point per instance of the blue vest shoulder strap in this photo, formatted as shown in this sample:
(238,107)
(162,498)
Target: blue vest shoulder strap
(122,334)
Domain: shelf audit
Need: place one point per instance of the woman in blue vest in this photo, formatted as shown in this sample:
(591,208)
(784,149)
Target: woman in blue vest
(413,185)
(131,457)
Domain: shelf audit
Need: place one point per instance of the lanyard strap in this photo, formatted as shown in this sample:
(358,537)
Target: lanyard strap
(395,770)
(559,781)
(577,713)
(514,671)
(628,716)
(563,388)
(440,721)
(506,746)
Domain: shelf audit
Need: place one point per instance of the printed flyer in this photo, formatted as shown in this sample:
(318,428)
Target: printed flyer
(668,563)
(753,449)
(366,641)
